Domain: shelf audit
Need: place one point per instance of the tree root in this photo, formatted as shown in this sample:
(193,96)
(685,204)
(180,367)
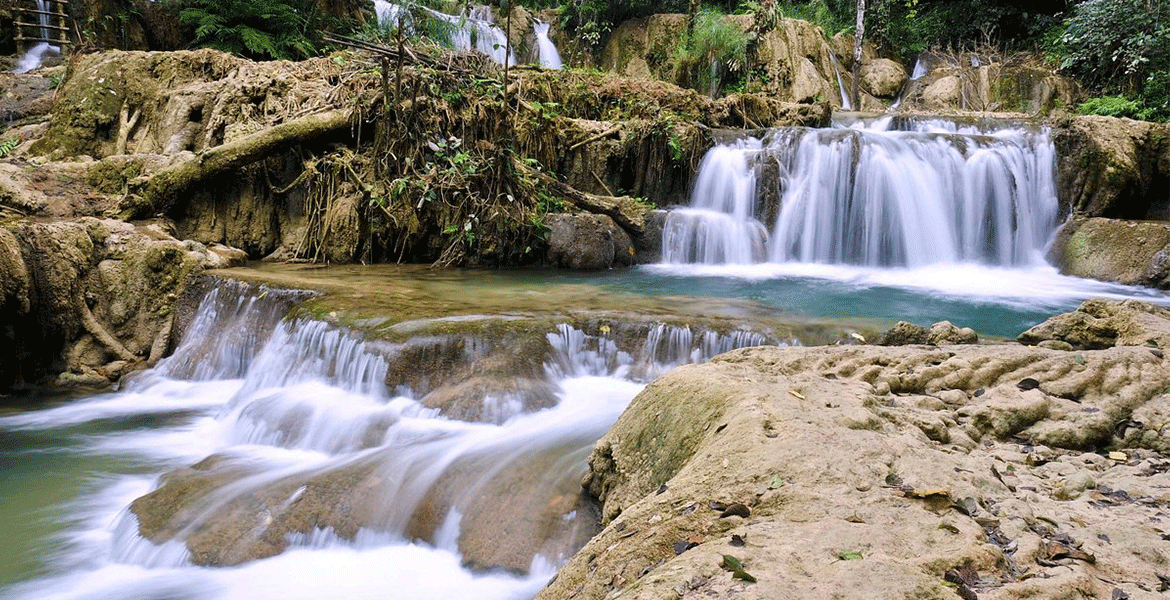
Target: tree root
(627,213)
(103,336)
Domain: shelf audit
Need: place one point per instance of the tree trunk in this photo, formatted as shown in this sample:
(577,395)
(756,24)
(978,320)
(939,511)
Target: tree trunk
(858,39)
(157,193)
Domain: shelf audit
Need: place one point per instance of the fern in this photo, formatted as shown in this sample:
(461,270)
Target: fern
(258,29)
(6,148)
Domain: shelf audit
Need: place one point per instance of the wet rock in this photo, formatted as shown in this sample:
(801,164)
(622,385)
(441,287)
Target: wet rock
(1116,168)
(1100,324)
(944,92)
(844,490)
(944,333)
(90,292)
(1129,252)
(883,78)
(588,242)
(902,334)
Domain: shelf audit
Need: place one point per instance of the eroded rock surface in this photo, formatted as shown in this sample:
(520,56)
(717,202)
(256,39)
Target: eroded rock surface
(91,298)
(885,473)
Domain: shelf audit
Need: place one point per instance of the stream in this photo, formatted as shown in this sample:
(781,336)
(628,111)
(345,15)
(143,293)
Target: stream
(270,456)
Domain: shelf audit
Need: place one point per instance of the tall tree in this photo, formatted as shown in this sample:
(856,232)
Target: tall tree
(858,37)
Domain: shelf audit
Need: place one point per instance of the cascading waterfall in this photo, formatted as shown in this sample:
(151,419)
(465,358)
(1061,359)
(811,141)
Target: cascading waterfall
(32,59)
(846,103)
(473,31)
(317,480)
(929,193)
(550,58)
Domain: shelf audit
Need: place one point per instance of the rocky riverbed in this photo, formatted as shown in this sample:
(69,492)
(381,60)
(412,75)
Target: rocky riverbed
(994,471)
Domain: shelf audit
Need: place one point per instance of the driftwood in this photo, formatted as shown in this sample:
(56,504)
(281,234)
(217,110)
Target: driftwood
(625,211)
(158,192)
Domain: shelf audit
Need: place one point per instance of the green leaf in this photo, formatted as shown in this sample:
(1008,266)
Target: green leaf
(777,481)
(849,555)
(731,562)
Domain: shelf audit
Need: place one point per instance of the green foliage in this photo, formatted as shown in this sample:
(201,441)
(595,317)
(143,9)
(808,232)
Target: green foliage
(257,29)
(715,52)
(1156,97)
(6,148)
(833,18)
(1110,106)
(1117,45)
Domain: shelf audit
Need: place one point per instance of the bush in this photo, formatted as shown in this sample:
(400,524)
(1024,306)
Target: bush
(1117,45)
(1156,97)
(715,52)
(257,29)
(1110,106)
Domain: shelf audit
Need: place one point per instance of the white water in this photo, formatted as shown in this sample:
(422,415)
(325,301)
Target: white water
(953,211)
(873,197)
(35,55)
(296,403)
(846,103)
(550,58)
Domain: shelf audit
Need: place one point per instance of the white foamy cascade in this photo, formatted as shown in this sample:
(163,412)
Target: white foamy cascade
(550,58)
(35,55)
(719,226)
(474,31)
(866,195)
(846,103)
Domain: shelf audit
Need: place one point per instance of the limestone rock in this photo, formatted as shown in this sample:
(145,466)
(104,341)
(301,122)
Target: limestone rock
(883,78)
(1118,168)
(942,93)
(901,334)
(588,242)
(1129,252)
(945,333)
(769,428)
(1097,324)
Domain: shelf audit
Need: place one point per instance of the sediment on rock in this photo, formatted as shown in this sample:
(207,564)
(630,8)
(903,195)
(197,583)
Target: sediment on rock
(883,472)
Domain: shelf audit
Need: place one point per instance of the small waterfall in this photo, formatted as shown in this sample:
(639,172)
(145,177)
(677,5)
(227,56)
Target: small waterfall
(845,101)
(919,69)
(32,59)
(718,226)
(550,58)
(932,192)
(473,31)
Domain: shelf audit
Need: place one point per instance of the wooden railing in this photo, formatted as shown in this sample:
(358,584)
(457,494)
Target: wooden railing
(45,22)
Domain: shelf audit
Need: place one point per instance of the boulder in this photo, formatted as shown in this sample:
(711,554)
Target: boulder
(869,472)
(587,241)
(1109,167)
(944,333)
(944,92)
(883,78)
(902,333)
(1100,324)
(1129,252)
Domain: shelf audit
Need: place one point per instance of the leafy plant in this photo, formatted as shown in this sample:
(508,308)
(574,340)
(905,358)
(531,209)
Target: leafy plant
(1110,106)
(715,51)
(1117,45)
(6,148)
(258,29)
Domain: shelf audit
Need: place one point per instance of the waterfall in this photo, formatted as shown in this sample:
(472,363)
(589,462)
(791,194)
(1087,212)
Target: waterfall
(549,57)
(32,59)
(930,192)
(291,460)
(845,101)
(473,31)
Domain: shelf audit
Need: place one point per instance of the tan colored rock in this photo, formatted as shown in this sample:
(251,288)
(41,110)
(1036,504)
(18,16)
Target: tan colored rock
(1108,167)
(1130,252)
(883,78)
(883,511)
(1097,324)
(942,93)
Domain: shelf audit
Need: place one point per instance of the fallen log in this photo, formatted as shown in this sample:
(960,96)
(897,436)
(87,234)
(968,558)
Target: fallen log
(156,193)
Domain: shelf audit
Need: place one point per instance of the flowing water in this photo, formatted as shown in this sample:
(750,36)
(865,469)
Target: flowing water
(297,466)
(35,55)
(550,58)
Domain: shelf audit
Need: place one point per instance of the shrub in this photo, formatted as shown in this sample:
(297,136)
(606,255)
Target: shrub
(1110,106)
(1117,45)
(716,51)
(257,29)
